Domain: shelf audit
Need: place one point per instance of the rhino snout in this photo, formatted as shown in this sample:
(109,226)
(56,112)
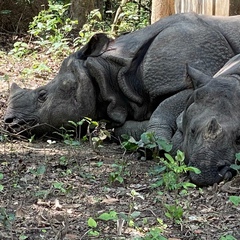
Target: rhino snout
(9,119)
(212,174)
(15,123)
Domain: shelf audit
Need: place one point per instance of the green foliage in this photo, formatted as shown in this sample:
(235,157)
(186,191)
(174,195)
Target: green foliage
(96,132)
(120,171)
(92,224)
(174,212)
(1,186)
(37,68)
(227,237)
(235,200)
(170,168)
(69,136)
(112,215)
(23,237)
(236,166)
(51,27)
(3,137)
(153,234)
(39,171)
(148,142)
(94,24)
(132,18)
(6,219)
(173,168)
(20,49)
(59,186)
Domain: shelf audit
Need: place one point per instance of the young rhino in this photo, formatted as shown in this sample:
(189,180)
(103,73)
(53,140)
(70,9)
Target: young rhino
(211,123)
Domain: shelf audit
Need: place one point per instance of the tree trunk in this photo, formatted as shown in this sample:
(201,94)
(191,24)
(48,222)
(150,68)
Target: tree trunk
(234,8)
(80,10)
(161,8)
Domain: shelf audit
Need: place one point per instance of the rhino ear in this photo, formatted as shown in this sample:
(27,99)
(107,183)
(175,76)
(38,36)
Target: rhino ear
(198,78)
(95,47)
(15,88)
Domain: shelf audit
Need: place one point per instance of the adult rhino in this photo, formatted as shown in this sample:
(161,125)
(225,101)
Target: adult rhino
(124,80)
(209,127)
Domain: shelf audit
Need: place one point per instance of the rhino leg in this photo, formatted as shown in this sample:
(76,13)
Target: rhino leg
(163,121)
(132,128)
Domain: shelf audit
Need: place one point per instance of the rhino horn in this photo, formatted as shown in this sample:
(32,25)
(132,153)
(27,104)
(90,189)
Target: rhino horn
(14,88)
(213,129)
(198,78)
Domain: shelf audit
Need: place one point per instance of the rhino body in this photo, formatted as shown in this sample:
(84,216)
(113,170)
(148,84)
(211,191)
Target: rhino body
(127,81)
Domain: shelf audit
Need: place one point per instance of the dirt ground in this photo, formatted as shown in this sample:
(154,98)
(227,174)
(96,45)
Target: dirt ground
(54,191)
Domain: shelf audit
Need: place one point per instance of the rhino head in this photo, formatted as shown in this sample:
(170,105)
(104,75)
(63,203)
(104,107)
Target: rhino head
(69,96)
(211,126)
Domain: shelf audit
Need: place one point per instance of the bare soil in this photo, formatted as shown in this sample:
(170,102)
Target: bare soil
(51,190)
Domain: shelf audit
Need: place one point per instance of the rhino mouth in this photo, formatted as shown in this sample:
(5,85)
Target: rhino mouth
(212,173)
(18,126)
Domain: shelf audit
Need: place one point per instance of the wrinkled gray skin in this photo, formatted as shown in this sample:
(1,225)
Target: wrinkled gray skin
(126,79)
(209,127)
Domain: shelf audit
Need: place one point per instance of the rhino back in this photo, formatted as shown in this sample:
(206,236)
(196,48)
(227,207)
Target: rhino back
(189,41)
(229,27)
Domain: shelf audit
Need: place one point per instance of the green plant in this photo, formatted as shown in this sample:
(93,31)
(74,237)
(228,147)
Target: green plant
(6,219)
(38,171)
(37,68)
(23,237)
(51,27)
(227,237)
(153,234)
(3,137)
(31,139)
(111,215)
(235,200)
(1,186)
(169,169)
(42,194)
(174,212)
(236,166)
(147,143)
(96,132)
(172,170)
(94,24)
(92,224)
(20,49)
(59,186)
(120,171)
(132,18)
(69,136)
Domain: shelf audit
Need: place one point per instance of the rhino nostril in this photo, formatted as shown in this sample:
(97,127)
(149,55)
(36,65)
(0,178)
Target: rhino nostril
(9,120)
(223,171)
(228,175)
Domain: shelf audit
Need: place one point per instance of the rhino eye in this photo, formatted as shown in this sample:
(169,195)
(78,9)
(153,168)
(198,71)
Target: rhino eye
(42,96)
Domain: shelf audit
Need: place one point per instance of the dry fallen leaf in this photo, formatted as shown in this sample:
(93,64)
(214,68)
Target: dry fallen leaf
(110,200)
